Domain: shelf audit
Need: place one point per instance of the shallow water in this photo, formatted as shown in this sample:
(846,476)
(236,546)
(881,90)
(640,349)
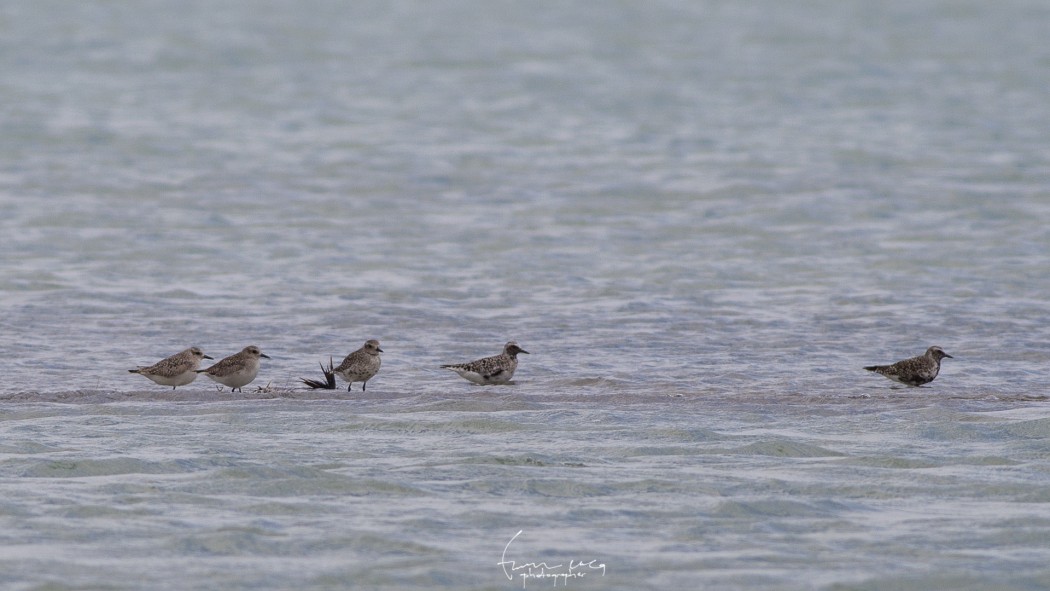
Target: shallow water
(701,219)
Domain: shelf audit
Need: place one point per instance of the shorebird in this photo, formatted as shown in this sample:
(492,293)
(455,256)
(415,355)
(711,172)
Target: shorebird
(361,365)
(237,370)
(178,370)
(915,371)
(498,369)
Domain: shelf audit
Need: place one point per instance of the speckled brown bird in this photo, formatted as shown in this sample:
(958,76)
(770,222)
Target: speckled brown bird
(498,369)
(361,365)
(237,370)
(178,370)
(915,371)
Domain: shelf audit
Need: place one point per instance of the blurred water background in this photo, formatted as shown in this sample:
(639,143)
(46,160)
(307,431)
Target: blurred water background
(701,218)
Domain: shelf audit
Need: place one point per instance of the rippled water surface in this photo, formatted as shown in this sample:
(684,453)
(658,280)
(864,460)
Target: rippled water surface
(702,219)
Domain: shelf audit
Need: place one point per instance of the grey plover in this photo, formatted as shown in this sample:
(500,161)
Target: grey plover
(498,369)
(360,365)
(237,370)
(915,371)
(178,370)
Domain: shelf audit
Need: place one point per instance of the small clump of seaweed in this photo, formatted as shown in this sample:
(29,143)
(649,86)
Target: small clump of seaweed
(329,377)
